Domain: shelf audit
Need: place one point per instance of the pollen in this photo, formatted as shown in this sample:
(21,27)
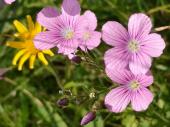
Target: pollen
(86,36)
(133,46)
(68,33)
(134,85)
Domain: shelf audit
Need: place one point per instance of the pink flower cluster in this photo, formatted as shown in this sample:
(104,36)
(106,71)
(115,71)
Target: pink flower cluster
(67,30)
(129,61)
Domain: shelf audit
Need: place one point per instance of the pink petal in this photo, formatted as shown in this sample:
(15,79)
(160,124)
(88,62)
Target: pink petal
(120,76)
(68,47)
(9,1)
(71,7)
(92,43)
(116,58)
(140,63)
(139,26)
(141,99)
(47,17)
(45,40)
(153,45)
(92,20)
(118,99)
(114,33)
(145,80)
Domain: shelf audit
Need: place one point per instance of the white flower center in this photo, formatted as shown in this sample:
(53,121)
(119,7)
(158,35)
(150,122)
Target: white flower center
(68,33)
(134,85)
(86,36)
(133,46)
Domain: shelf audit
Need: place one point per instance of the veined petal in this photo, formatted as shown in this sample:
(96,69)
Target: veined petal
(153,45)
(23,59)
(71,7)
(32,61)
(120,76)
(48,52)
(117,99)
(140,63)
(18,55)
(47,17)
(117,58)
(114,34)
(141,99)
(42,58)
(20,27)
(30,23)
(14,44)
(68,47)
(139,26)
(91,18)
(145,80)
(45,40)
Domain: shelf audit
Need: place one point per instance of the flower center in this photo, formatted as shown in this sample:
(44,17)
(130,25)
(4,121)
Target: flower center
(86,36)
(134,85)
(68,33)
(133,46)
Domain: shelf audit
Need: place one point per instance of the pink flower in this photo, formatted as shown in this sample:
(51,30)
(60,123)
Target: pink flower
(90,38)
(9,1)
(134,48)
(132,89)
(65,29)
(90,116)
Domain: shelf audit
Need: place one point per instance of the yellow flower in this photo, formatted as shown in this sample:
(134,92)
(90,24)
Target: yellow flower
(26,46)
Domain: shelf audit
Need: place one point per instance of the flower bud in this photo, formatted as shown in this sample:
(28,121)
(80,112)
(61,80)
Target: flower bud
(76,59)
(88,118)
(63,102)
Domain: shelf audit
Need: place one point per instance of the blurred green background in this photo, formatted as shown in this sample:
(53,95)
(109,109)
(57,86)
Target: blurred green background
(28,98)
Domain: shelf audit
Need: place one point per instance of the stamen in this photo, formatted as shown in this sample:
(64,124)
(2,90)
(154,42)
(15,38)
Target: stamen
(68,33)
(86,36)
(133,46)
(134,85)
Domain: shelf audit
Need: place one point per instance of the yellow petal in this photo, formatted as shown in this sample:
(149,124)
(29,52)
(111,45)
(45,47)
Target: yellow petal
(18,55)
(30,23)
(37,28)
(42,58)
(23,60)
(48,52)
(15,44)
(32,61)
(20,27)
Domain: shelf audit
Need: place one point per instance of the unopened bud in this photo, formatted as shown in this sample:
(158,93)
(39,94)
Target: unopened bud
(76,59)
(63,102)
(88,118)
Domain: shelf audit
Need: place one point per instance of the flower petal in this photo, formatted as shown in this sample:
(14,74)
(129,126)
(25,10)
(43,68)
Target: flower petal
(139,26)
(68,47)
(117,99)
(121,76)
(141,99)
(145,80)
(45,40)
(9,1)
(114,33)
(47,17)
(71,7)
(91,43)
(153,45)
(91,18)
(140,63)
(116,58)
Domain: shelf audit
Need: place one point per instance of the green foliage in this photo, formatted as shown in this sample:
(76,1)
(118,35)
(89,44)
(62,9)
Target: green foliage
(28,98)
